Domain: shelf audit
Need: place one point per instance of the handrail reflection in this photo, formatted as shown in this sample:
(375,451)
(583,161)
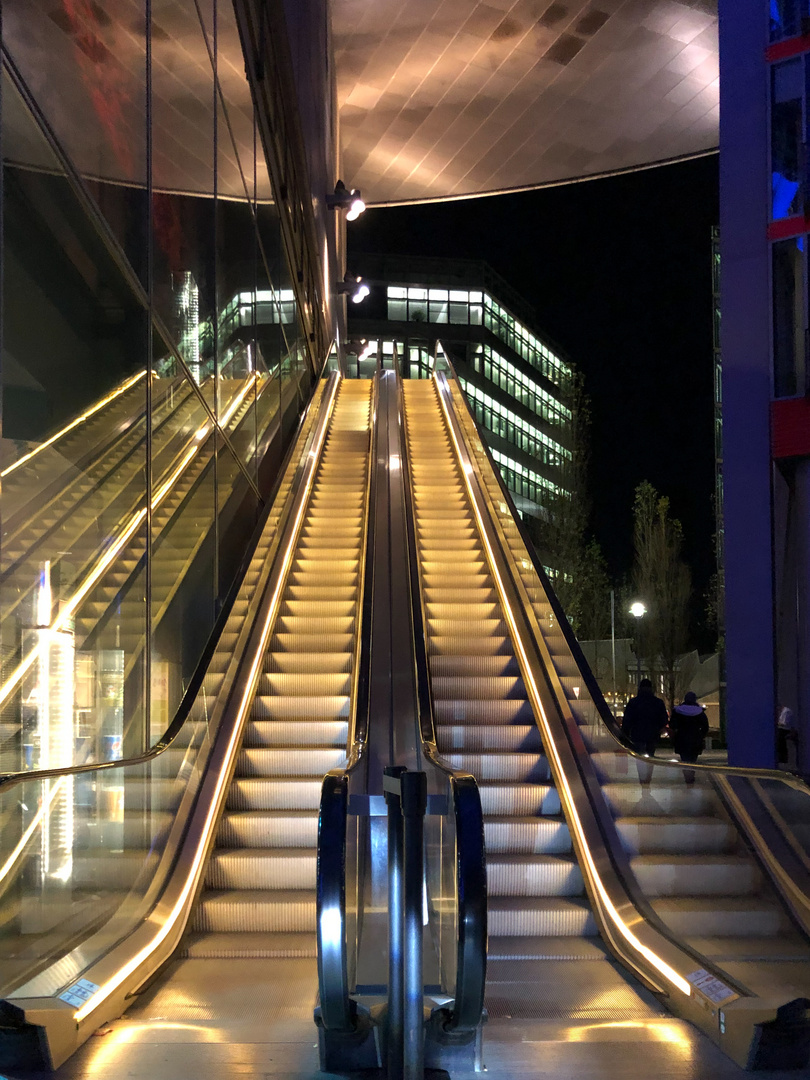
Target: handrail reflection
(100,404)
(69,607)
(10,780)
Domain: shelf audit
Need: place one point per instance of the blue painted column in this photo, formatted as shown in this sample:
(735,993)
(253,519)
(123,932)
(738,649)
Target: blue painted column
(745,343)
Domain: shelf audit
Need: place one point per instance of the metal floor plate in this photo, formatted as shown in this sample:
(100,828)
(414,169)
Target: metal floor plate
(564,990)
(234,1019)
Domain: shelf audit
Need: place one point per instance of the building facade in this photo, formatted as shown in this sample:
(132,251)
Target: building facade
(518,385)
(764,64)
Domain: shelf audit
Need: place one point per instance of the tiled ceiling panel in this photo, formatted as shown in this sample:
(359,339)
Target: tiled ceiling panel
(447,98)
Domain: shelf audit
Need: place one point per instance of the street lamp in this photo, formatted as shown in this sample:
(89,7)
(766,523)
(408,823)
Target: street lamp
(638,611)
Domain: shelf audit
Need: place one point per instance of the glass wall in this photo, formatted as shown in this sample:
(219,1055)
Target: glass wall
(788,18)
(789,316)
(788,165)
(153,365)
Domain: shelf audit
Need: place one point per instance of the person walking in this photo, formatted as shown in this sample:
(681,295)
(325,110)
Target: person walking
(645,717)
(688,728)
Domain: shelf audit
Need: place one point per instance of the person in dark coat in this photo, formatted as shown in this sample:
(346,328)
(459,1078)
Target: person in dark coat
(645,717)
(688,728)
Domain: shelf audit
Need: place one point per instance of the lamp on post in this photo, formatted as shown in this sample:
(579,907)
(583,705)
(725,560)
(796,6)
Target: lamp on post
(638,611)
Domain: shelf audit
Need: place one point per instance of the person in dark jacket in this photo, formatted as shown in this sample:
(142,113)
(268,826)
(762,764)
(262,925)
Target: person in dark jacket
(688,728)
(645,717)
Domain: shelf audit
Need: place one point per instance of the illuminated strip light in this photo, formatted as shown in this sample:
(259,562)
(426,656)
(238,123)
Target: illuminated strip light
(45,806)
(75,423)
(137,518)
(134,963)
(658,963)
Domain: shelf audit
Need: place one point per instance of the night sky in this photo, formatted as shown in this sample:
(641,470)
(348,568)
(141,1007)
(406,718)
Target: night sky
(619,271)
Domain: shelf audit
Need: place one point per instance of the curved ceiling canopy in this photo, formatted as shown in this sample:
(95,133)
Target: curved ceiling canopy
(451,98)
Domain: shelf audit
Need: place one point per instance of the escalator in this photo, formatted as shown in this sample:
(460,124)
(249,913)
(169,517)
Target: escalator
(259,895)
(543,938)
(239,777)
(679,854)
(393,611)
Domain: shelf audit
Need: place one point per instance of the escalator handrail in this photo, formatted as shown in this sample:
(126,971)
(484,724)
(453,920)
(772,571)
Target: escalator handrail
(338,1011)
(793,780)
(471,877)
(10,780)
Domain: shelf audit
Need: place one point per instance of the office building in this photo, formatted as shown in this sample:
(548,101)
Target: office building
(766,447)
(518,385)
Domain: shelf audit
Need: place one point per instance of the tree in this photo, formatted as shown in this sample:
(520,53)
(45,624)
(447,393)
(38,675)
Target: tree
(661,579)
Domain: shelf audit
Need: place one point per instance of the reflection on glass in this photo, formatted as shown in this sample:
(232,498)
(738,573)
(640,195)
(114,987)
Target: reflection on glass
(789,317)
(787,139)
(84,858)
(787,18)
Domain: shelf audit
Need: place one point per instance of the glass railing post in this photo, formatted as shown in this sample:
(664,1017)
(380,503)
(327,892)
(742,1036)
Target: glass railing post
(414,805)
(406,797)
(395,1037)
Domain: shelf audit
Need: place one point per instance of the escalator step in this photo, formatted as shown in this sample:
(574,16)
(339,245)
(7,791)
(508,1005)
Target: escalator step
(256,910)
(526,836)
(449,666)
(478,739)
(314,663)
(265,828)
(666,834)
(258,868)
(540,916)
(306,734)
(521,800)
(488,711)
(696,875)
(493,688)
(250,946)
(698,916)
(495,766)
(299,707)
(533,875)
(325,684)
(307,763)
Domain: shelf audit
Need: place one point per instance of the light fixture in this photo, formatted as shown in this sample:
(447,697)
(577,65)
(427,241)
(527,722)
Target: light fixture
(638,610)
(343,199)
(353,287)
